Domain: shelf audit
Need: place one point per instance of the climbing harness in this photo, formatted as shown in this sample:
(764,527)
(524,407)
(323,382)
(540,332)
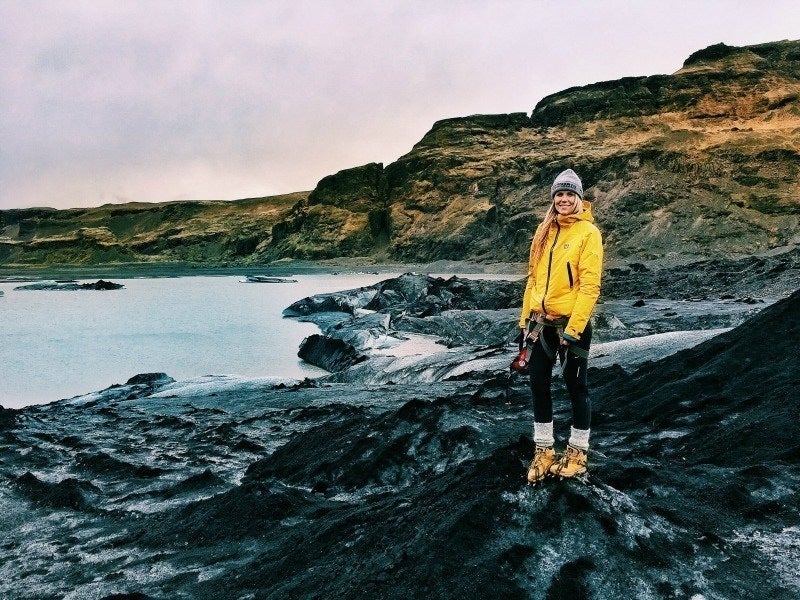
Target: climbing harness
(532,334)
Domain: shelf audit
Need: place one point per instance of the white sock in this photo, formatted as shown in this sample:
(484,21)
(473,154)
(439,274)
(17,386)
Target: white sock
(543,434)
(579,438)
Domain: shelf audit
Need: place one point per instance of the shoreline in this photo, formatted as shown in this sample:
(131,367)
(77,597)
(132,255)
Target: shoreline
(359,264)
(281,268)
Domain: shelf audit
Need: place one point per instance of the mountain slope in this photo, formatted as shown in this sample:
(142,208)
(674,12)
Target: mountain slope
(699,163)
(205,232)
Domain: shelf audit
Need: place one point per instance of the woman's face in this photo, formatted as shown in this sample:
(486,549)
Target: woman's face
(564,201)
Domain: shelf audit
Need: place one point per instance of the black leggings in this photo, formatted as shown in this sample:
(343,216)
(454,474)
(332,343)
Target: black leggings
(541,370)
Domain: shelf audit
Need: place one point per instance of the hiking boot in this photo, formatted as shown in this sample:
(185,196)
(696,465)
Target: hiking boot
(571,464)
(540,465)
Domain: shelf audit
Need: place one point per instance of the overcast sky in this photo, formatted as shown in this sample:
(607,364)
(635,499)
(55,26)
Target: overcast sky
(115,101)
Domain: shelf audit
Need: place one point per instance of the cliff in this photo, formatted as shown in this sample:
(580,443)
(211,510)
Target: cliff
(699,163)
(209,232)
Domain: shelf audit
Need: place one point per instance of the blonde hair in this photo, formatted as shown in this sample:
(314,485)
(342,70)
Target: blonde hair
(539,239)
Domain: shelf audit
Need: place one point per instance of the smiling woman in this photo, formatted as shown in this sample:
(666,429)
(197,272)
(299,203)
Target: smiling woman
(566,260)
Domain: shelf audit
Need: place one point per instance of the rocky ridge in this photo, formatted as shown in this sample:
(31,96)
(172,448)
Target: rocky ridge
(699,163)
(207,232)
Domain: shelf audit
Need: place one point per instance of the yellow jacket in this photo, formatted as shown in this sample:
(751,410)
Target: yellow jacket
(566,282)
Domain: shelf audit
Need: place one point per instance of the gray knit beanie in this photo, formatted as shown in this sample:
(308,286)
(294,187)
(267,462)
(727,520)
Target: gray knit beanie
(567,180)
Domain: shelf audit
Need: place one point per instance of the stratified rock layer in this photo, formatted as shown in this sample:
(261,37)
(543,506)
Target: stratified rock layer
(699,163)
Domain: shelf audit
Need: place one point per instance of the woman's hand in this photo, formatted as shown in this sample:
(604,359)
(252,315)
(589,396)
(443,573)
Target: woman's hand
(567,339)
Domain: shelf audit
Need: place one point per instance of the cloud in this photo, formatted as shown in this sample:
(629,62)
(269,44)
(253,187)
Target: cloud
(157,101)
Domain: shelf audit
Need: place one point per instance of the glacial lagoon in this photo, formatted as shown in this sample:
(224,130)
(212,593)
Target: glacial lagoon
(58,344)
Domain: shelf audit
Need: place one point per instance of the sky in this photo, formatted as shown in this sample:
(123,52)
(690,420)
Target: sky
(107,101)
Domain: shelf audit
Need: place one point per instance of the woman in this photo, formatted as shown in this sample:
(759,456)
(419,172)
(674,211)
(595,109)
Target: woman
(564,269)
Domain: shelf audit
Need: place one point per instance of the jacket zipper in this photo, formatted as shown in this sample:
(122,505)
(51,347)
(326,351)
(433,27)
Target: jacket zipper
(569,274)
(550,266)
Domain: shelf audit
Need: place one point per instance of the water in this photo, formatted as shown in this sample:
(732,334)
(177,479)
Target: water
(58,344)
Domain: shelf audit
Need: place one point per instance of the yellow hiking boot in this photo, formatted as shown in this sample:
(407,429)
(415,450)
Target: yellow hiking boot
(544,459)
(571,464)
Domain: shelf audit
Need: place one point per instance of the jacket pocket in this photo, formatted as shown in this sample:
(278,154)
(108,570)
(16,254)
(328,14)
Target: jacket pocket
(569,274)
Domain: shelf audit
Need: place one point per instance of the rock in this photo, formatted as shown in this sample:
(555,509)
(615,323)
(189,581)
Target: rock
(8,418)
(68,493)
(346,302)
(772,275)
(415,294)
(463,327)
(411,303)
(150,379)
(368,331)
(331,354)
(606,321)
(71,286)
(102,285)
